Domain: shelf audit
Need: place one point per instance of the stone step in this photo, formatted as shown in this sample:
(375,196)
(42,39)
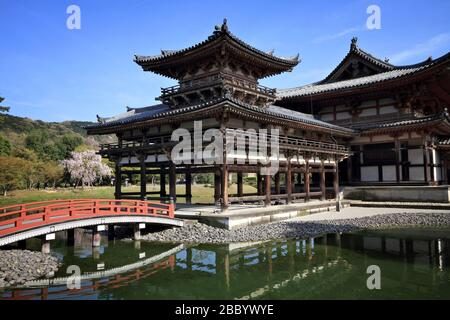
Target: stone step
(403,205)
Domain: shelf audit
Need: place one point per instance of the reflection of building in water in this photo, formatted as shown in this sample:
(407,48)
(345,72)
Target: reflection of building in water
(321,267)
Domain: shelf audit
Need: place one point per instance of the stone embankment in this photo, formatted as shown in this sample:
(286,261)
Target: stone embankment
(20,266)
(200,233)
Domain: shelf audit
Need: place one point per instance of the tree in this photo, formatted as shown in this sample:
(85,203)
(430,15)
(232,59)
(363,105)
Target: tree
(11,173)
(86,167)
(52,173)
(5,146)
(2,108)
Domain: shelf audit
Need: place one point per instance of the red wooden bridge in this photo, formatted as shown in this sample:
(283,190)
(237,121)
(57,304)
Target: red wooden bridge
(20,222)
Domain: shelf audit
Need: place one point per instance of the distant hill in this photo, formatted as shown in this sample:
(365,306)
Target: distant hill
(16,129)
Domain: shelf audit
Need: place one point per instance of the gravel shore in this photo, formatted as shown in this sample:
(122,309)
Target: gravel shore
(200,233)
(19,266)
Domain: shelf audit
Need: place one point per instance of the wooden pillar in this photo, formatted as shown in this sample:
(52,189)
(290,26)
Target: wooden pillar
(240,184)
(267,188)
(307,180)
(350,169)
(445,171)
(173,182)
(289,180)
(426,165)
(259,182)
(336,185)
(162,185)
(323,187)
(224,187)
(118,181)
(217,185)
(277,183)
(188,186)
(143,179)
(397,159)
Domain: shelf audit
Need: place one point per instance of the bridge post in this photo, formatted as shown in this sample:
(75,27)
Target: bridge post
(45,242)
(71,237)
(96,236)
(111,232)
(137,230)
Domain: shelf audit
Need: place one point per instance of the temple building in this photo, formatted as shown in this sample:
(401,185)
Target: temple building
(368,122)
(399,113)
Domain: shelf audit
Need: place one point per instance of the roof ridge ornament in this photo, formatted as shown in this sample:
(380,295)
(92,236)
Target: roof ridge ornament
(354,43)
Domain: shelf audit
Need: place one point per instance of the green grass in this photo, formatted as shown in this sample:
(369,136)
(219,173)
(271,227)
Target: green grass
(200,194)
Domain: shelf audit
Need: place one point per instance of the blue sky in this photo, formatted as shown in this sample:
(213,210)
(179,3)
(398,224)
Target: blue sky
(52,73)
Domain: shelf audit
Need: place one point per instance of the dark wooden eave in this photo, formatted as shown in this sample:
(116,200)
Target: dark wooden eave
(221,41)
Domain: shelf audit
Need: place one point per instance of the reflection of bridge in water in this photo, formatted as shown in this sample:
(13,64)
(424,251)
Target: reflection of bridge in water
(324,267)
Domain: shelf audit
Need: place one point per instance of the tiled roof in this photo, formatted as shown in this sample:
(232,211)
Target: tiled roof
(444,141)
(412,121)
(390,72)
(161,110)
(316,88)
(221,31)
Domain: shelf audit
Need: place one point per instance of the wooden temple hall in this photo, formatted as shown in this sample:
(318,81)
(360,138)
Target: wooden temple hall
(369,122)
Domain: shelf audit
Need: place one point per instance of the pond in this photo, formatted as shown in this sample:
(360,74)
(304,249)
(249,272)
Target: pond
(414,264)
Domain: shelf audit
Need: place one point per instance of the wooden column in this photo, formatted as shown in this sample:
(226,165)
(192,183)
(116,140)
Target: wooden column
(188,186)
(289,180)
(143,179)
(350,169)
(307,180)
(267,189)
(397,159)
(336,186)
(173,182)
(240,184)
(445,171)
(426,165)
(277,183)
(224,187)
(217,185)
(259,182)
(323,187)
(162,185)
(118,181)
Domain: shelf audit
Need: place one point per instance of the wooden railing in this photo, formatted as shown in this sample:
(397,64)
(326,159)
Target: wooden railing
(24,217)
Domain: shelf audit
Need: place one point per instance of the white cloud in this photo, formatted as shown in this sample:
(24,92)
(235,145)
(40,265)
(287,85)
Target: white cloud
(424,48)
(338,35)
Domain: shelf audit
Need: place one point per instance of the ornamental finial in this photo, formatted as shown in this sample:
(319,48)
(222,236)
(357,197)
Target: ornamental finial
(354,42)
(225,25)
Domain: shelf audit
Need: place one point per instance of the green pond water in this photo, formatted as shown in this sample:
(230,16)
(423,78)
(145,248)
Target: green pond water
(414,264)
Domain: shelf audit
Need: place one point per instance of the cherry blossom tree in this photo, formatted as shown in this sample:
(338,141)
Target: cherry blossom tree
(86,167)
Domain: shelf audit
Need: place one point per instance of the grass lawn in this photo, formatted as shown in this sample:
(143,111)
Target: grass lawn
(200,194)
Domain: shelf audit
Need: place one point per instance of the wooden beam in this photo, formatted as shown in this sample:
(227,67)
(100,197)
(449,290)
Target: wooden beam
(188,180)
(173,183)
(143,179)
(323,188)
(307,180)
(217,186)
(240,184)
(267,180)
(277,183)
(118,181)
(289,180)
(162,185)
(224,187)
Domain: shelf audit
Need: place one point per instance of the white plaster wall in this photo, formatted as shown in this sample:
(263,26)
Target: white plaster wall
(327,117)
(369,174)
(415,156)
(343,115)
(389,173)
(416,174)
(388,109)
(368,112)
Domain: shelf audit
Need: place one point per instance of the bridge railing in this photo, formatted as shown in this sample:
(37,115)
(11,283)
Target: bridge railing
(22,217)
